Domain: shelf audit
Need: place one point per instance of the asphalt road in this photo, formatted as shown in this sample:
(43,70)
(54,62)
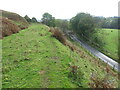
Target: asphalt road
(97,53)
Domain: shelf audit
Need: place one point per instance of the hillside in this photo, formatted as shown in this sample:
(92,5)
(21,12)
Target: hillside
(11,23)
(33,58)
(17,19)
(8,27)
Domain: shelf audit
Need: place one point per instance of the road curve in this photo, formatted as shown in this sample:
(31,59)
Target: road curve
(97,53)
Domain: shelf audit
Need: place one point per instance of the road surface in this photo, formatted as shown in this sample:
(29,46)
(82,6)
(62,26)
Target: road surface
(97,53)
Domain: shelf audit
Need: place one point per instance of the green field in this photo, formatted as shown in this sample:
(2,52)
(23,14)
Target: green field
(110,37)
(33,58)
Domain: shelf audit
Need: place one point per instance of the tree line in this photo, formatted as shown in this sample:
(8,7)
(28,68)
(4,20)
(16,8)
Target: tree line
(85,25)
(33,20)
(80,18)
(101,22)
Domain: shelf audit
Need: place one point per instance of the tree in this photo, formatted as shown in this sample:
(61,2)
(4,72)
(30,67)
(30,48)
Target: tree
(110,22)
(62,24)
(34,20)
(119,24)
(48,19)
(27,18)
(83,24)
(114,23)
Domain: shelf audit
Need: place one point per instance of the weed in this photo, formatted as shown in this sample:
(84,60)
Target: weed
(101,82)
(59,35)
(76,75)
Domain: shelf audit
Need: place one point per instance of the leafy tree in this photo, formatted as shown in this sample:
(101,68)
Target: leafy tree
(119,24)
(48,19)
(110,22)
(34,20)
(27,18)
(99,21)
(63,24)
(114,23)
(83,24)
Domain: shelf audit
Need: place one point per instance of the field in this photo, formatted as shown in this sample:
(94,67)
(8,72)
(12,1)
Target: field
(33,58)
(110,37)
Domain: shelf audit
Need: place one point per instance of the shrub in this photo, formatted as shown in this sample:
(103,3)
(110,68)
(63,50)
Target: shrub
(8,27)
(76,75)
(58,35)
(101,82)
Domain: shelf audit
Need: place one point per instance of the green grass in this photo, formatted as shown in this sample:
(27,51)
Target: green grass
(110,37)
(33,58)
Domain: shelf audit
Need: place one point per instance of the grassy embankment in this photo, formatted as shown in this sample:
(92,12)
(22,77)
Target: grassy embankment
(110,37)
(33,58)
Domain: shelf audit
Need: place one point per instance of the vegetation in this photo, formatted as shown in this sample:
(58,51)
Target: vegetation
(33,58)
(84,25)
(110,22)
(8,27)
(48,20)
(62,24)
(90,30)
(27,18)
(110,37)
(16,19)
(42,57)
(33,20)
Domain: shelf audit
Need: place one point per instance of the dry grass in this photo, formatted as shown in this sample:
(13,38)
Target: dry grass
(17,19)
(101,82)
(8,27)
(58,34)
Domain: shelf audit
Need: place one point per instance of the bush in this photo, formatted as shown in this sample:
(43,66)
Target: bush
(76,75)
(58,35)
(101,82)
(8,27)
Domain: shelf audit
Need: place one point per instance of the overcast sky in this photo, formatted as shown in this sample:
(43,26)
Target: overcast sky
(62,9)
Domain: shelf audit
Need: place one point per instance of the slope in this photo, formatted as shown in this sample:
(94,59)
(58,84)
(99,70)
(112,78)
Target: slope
(17,19)
(8,27)
(35,59)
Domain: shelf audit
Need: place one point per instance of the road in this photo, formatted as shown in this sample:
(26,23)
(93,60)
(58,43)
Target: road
(97,53)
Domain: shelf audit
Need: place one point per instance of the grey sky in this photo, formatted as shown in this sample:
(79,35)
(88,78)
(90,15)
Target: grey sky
(63,9)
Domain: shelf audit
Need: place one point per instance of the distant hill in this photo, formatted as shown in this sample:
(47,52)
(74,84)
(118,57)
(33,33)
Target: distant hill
(11,23)
(17,19)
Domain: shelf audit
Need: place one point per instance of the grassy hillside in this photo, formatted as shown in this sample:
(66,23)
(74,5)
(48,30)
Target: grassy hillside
(110,37)
(33,58)
(15,18)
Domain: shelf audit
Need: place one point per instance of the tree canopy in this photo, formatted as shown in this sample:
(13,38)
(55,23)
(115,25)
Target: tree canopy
(62,24)
(27,18)
(34,20)
(48,19)
(83,24)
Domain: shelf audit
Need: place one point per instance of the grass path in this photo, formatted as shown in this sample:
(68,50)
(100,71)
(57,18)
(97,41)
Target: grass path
(33,58)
